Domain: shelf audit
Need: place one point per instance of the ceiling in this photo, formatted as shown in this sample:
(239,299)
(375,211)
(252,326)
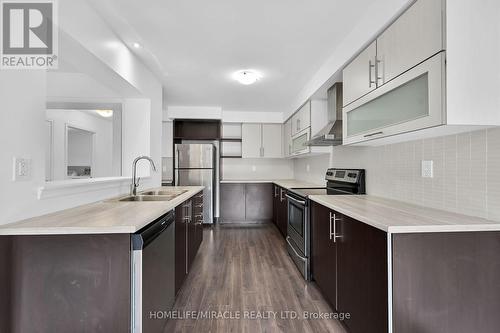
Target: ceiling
(194,46)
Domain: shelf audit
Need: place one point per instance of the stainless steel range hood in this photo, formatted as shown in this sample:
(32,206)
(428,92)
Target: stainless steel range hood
(331,134)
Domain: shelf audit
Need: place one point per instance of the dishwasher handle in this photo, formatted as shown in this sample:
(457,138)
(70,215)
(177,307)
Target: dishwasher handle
(149,233)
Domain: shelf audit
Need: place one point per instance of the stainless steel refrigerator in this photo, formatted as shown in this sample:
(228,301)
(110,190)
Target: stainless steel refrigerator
(195,165)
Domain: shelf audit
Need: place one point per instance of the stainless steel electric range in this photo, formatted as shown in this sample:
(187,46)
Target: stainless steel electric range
(338,182)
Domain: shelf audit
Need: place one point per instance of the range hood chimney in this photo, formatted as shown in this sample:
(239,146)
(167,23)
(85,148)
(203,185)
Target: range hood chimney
(331,134)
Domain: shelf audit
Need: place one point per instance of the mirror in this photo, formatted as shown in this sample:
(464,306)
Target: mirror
(83,143)
(79,152)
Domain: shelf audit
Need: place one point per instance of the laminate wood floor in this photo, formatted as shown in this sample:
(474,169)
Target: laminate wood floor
(243,268)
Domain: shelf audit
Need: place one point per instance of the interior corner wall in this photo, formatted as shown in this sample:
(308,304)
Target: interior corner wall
(136,129)
(22,134)
(22,116)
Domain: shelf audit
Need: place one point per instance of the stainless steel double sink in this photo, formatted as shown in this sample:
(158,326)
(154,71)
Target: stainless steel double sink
(156,195)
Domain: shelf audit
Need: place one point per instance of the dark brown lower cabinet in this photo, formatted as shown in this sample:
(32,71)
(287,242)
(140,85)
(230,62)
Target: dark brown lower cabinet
(276,201)
(446,282)
(182,213)
(195,228)
(246,203)
(65,283)
(188,236)
(362,275)
(282,219)
(349,265)
(324,253)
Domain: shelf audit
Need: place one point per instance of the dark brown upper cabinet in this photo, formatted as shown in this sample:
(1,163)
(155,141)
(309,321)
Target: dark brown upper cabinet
(194,129)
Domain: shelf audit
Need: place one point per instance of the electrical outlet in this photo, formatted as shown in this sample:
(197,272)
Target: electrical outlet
(21,169)
(428,169)
(308,168)
(254,168)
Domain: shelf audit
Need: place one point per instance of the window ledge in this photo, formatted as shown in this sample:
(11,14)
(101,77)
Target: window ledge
(76,186)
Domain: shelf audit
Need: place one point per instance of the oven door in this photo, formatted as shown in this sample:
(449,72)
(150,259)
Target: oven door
(296,221)
(298,234)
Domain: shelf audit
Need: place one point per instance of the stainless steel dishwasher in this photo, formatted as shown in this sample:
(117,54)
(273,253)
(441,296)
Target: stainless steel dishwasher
(153,274)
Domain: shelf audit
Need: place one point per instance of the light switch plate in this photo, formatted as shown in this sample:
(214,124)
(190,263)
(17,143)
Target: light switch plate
(21,169)
(428,169)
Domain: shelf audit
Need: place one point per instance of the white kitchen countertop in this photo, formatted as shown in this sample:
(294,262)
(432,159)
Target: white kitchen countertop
(285,183)
(399,217)
(103,217)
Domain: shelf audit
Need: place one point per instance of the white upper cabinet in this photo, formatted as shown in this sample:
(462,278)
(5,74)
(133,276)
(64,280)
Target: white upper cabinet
(287,138)
(408,78)
(272,141)
(251,140)
(261,141)
(359,75)
(412,102)
(301,119)
(417,35)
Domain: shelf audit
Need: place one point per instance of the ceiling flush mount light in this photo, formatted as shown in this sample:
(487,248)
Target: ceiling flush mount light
(105,113)
(247,76)
(136,45)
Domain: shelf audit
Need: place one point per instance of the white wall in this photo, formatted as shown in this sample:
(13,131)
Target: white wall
(466,171)
(256,169)
(23,134)
(136,138)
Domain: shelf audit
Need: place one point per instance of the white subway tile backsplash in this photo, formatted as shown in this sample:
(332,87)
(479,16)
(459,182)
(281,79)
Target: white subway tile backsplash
(493,173)
(466,171)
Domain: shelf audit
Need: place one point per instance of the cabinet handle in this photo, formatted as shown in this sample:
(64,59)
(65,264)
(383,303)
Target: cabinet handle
(370,67)
(378,71)
(373,134)
(298,124)
(333,227)
(281,195)
(198,206)
(296,253)
(276,191)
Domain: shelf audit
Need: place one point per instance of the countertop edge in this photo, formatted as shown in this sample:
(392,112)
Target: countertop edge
(478,227)
(16,229)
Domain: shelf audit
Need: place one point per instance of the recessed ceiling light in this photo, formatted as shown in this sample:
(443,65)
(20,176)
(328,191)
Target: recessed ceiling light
(105,113)
(247,76)
(136,45)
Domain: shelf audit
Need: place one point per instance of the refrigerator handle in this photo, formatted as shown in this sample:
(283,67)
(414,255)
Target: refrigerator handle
(176,164)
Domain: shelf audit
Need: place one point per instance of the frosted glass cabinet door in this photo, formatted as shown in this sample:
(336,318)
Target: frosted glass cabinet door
(407,102)
(299,143)
(411,102)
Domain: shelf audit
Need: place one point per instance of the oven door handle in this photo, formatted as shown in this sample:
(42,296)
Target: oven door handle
(293,249)
(300,202)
